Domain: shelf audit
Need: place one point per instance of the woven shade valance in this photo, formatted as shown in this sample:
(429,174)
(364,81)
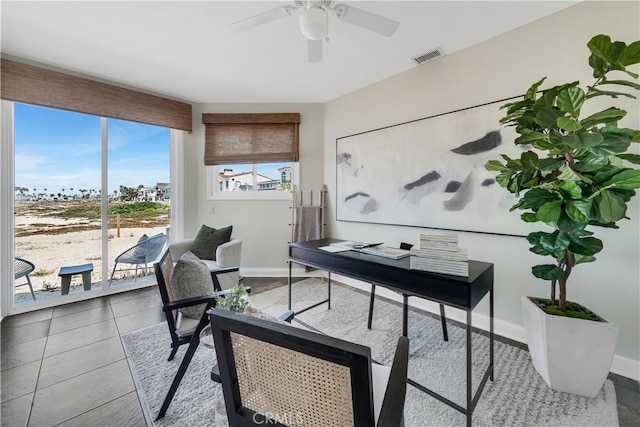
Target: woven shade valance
(39,86)
(250,138)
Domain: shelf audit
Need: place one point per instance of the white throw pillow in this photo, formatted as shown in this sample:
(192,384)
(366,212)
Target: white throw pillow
(191,278)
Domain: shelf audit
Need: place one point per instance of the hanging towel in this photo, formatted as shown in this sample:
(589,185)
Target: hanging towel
(307,224)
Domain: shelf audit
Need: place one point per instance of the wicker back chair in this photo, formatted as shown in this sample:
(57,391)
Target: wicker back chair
(276,374)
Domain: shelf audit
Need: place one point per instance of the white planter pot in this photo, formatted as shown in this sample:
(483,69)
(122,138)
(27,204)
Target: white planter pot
(571,355)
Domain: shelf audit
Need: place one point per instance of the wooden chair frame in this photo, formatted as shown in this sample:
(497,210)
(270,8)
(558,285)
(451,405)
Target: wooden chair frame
(163,268)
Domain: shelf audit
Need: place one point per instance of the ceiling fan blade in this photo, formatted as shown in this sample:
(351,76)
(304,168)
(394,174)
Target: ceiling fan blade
(315,50)
(263,18)
(367,20)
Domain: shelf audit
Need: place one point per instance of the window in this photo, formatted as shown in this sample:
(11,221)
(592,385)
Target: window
(256,181)
(251,155)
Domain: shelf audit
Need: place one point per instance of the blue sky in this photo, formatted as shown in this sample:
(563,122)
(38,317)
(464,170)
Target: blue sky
(57,150)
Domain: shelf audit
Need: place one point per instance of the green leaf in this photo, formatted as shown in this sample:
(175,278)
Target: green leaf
(609,115)
(615,51)
(503,178)
(593,92)
(550,211)
(598,64)
(529,160)
(569,174)
(539,250)
(547,272)
(586,246)
(621,83)
(548,117)
(571,190)
(627,179)
(550,163)
(631,54)
(531,137)
(494,165)
(600,45)
(531,92)
(601,177)
(536,197)
(613,143)
(568,225)
(591,162)
(590,139)
(578,210)
(610,206)
(529,217)
(570,100)
(535,236)
(568,124)
(630,157)
(582,259)
(555,242)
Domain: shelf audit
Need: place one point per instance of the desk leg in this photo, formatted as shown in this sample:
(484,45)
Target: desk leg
(329,292)
(372,298)
(289,285)
(193,346)
(66,283)
(491,332)
(405,315)
(469,388)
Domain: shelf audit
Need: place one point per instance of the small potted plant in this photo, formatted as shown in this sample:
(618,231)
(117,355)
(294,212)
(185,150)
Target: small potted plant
(577,174)
(237,299)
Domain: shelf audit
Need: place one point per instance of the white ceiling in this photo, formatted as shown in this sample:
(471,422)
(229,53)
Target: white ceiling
(186,50)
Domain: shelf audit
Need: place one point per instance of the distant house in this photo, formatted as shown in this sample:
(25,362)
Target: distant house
(285,174)
(243,181)
(160,193)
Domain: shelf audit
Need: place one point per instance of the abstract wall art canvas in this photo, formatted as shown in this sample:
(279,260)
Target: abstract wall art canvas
(430,173)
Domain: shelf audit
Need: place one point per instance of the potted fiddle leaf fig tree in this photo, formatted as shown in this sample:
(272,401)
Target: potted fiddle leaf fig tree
(578,174)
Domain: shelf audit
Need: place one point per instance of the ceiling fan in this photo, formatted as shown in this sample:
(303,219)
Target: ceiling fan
(314,21)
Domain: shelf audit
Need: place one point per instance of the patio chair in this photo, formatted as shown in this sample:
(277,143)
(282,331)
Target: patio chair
(22,268)
(274,373)
(143,253)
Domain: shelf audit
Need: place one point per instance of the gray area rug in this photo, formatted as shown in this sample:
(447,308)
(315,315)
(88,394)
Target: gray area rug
(517,397)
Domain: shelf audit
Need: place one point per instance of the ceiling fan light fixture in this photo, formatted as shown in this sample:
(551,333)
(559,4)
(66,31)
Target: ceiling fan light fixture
(314,23)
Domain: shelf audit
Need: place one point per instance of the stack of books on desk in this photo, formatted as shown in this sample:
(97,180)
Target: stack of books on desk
(440,254)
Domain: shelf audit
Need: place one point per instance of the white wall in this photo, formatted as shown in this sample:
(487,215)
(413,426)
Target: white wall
(262,225)
(499,68)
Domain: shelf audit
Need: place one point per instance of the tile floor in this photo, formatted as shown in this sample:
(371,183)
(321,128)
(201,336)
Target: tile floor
(65,366)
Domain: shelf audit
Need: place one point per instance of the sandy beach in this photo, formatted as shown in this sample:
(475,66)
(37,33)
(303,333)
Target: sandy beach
(50,248)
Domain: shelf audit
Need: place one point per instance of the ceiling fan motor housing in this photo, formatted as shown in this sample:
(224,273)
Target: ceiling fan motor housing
(314,23)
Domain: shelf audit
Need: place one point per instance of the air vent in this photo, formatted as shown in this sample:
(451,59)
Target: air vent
(428,56)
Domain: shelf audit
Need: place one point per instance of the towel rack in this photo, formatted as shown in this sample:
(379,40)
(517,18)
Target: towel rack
(301,198)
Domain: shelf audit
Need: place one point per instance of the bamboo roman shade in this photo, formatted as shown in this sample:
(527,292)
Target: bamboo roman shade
(250,138)
(39,86)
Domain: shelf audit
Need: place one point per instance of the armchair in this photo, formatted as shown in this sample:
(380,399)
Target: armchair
(277,374)
(227,255)
(182,327)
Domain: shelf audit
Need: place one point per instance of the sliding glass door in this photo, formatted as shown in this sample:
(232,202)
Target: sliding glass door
(92,197)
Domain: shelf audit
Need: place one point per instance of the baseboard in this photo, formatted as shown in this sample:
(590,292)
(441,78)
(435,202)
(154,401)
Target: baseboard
(621,365)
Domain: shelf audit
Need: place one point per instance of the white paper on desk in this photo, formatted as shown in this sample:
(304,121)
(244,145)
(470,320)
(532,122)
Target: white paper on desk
(334,248)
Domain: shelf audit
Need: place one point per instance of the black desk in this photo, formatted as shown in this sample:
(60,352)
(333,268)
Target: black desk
(459,292)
